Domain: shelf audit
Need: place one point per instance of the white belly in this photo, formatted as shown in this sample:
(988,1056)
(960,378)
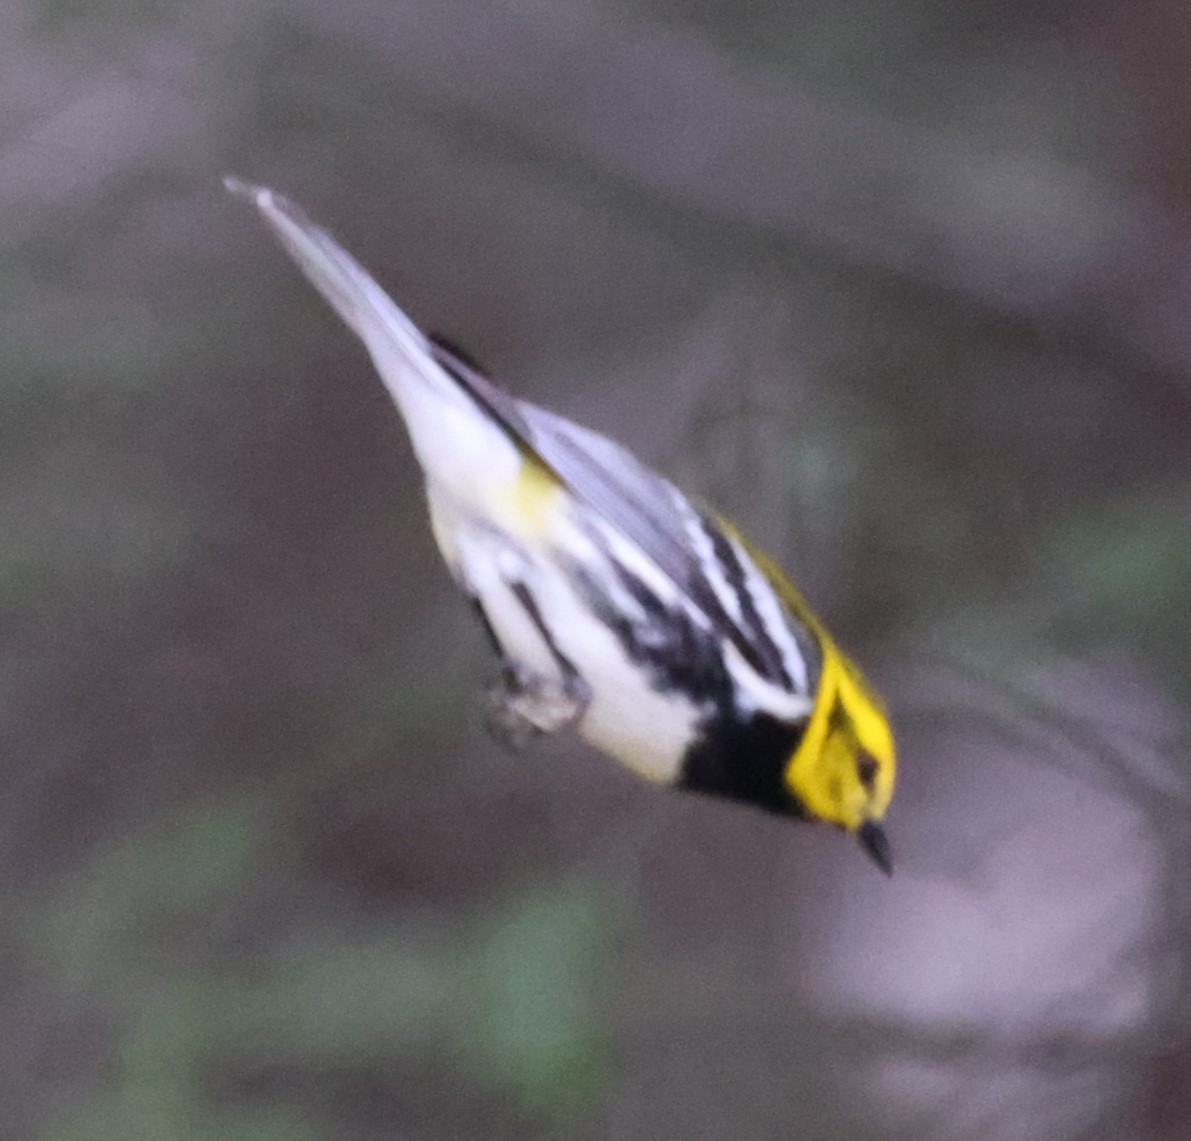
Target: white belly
(627,718)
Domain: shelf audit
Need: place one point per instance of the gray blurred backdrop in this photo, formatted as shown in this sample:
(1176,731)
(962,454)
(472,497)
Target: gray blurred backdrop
(905,285)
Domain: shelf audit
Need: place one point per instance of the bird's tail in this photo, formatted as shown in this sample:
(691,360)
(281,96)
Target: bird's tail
(400,350)
(465,431)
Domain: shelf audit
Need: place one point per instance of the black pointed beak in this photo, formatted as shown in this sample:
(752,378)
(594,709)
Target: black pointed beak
(873,840)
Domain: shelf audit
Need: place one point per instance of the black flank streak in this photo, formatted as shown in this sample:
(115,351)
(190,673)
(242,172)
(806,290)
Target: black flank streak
(742,759)
(767,658)
(678,656)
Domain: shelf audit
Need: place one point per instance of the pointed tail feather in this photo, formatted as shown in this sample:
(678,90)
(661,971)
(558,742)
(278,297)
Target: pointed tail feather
(395,343)
(465,431)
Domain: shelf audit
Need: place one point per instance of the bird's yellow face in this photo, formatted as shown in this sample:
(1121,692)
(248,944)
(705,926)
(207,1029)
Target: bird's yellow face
(844,767)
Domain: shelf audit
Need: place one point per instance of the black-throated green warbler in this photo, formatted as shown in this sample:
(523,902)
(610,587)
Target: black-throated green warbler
(614,603)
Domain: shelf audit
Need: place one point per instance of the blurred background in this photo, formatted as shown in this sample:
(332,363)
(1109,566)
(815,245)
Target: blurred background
(905,286)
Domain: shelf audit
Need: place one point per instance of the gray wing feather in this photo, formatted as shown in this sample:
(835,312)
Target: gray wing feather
(652,513)
(644,507)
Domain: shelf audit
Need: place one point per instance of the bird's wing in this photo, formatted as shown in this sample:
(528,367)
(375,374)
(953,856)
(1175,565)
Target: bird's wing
(703,559)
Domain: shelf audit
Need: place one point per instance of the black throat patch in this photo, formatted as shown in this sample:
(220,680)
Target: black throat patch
(745,760)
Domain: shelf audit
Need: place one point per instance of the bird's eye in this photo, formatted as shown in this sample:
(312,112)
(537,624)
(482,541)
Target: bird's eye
(866,769)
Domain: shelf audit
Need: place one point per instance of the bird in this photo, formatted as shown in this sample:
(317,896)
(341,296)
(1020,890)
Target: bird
(615,604)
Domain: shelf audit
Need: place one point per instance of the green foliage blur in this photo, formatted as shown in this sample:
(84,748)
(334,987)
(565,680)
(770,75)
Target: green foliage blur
(157,935)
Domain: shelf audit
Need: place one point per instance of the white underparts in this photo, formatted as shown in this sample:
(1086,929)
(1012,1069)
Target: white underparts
(627,717)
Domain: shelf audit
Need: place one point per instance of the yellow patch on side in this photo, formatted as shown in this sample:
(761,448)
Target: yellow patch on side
(536,494)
